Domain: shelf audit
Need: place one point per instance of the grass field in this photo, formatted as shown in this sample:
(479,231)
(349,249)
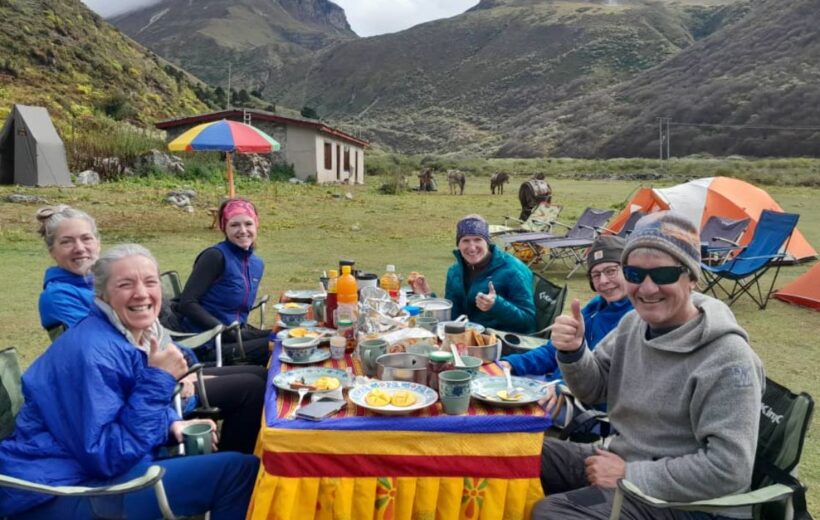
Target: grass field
(305,229)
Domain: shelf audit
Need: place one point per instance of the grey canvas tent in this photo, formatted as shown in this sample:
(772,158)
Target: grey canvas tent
(31,152)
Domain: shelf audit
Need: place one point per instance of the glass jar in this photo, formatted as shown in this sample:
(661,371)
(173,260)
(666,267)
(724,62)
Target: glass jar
(439,362)
(346,329)
(413,312)
(454,334)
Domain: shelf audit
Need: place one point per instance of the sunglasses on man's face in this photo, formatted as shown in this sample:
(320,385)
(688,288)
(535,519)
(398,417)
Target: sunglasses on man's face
(659,275)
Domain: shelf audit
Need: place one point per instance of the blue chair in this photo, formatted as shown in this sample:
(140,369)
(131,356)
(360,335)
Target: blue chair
(742,273)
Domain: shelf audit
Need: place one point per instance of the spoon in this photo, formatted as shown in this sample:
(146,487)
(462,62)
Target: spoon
(302,393)
(511,392)
(458,361)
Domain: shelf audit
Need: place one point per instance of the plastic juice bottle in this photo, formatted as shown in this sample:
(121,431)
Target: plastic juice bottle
(390,282)
(347,294)
(348,309)
(331,302)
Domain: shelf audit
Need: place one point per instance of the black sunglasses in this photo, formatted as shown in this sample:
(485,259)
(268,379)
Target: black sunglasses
(659,275)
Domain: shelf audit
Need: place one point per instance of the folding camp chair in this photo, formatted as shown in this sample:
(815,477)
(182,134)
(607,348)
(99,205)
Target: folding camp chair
(719,237)
(171,289)
(586,228)
(775,491)
(744,271)
(577,422)
(572,249)
(540,220)
(11,400)
(549,301)
(628,226)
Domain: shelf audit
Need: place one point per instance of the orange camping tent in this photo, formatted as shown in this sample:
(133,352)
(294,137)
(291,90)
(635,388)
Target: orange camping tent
(803,290)
(722,196)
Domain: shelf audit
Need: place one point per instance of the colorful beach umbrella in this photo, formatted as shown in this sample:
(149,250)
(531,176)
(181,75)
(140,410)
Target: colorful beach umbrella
(225,136)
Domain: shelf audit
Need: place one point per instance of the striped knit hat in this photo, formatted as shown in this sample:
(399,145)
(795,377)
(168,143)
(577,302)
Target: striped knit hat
(670,232)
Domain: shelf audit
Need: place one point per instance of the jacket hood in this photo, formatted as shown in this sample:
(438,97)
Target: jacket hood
(58,274)
(714,321)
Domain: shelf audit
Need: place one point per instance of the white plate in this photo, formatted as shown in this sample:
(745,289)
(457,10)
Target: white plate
(317,356)
(307,375)
(303,294)
(311,330)
(486,389)
(425,396)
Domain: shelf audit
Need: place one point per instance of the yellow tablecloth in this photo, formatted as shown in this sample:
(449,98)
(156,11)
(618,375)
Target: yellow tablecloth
(358,465)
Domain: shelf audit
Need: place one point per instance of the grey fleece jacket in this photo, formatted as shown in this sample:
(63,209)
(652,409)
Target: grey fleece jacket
(686,404)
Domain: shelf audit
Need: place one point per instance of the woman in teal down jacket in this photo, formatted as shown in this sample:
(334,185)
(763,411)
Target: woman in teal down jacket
(490,286)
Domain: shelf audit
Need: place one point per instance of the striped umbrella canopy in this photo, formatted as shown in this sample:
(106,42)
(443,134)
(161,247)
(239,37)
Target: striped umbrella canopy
(225,136)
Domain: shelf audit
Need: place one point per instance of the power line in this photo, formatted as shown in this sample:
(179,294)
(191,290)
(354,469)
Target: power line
(745,127)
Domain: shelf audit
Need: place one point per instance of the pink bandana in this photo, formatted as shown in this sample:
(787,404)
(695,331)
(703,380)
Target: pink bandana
(237,207)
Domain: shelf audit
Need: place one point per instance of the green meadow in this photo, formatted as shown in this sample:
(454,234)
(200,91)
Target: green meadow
(307,228)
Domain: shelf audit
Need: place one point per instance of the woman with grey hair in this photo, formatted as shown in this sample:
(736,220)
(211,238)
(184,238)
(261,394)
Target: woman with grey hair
(99,406)
(72,238)
(73,242)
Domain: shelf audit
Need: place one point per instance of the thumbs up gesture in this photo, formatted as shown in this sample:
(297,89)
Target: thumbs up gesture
(485,302)
(171,359)
(568,330)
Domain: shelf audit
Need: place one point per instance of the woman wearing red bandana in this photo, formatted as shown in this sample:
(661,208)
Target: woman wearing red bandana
(223,285)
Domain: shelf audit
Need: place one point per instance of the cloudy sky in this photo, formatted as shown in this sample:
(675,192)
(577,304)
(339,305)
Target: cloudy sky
(366,17)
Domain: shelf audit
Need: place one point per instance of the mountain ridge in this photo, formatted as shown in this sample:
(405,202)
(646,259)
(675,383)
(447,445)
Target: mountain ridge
(61,55)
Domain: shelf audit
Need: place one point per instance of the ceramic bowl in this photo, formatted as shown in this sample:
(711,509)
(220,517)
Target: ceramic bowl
(292,316)
(299,349)
(471,364)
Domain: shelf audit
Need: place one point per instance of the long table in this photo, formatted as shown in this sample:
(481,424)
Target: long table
(427,465)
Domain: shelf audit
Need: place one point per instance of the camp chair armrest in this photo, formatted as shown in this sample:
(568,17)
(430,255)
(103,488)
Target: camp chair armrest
(513,219)
(559,223)
(601,229)
(151,476)
(260,302)
(762,495)
(727,241)
(196,339)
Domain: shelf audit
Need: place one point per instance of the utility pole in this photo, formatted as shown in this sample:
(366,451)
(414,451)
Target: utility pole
(228,103)
(664,138)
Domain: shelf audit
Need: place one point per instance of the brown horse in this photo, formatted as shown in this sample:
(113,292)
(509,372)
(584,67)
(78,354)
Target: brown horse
(456,179)
(497,182)
(426,180)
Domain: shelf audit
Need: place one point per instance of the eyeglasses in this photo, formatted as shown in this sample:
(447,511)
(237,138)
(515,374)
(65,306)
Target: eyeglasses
(660,275)
(610,272)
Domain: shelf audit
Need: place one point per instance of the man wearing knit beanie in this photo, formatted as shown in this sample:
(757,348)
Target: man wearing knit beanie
(681,383)
(601,314)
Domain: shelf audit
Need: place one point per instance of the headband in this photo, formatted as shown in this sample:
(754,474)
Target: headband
(237,207)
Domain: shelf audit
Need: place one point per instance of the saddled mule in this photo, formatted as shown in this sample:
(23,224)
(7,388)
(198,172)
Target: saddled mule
(426,180)
(456,179)
(497,182)
(532,193)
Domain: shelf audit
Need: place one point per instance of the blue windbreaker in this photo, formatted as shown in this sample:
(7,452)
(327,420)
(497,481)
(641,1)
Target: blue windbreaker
(66,297)
(599,319)
(93,409)
(514,308)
